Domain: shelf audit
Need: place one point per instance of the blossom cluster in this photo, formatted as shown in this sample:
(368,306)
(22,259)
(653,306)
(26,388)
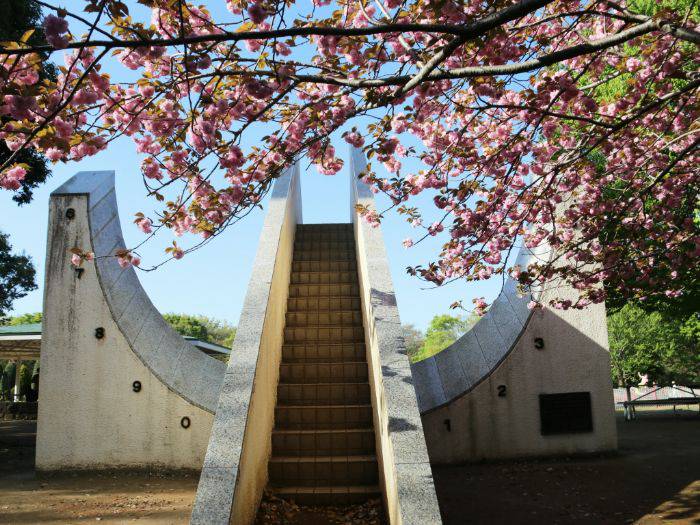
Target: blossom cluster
(569,124)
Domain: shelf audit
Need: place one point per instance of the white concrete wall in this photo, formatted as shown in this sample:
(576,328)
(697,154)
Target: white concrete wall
(464,417)
(89,415)
(486,426)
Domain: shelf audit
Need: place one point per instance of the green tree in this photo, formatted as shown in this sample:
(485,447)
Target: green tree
(187,325)
(25,378)
(687,210)
(220,332)
(32,318)
(17,275)
(413,338)
(16,18)
(7,379)
(442,332)
(203,328)
(656,344)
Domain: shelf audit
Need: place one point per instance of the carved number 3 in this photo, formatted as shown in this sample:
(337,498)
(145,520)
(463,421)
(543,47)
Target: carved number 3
(501,390)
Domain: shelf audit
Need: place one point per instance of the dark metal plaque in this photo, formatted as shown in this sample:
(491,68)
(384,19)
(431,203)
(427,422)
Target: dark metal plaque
(568,413)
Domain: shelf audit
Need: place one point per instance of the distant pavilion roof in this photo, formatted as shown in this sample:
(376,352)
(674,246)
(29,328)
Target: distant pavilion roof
(23,342)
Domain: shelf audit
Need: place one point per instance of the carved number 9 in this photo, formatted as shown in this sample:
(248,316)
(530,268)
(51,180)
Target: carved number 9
(136,386)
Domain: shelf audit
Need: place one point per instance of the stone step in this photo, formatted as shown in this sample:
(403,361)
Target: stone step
(320,255)
(324,290)
(324,266)
(315,417)
(333,393)
(327,318)
(330,277)
(320,496)
(324,334)
(335,235)
(326,227)
(353,441)
(323,352)
(347,372)
(306,471)
(329,244)
(319,303)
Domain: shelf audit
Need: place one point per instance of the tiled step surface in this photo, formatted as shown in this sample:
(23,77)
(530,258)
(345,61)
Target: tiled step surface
(324,266)
(322,393)
(324,290)
(324,255)
(342,372)
(323,245)
(323,352)
(329,334)
(323,417)
(318,495)
(310,471)
(323,304)
(324,277)
(323,444)
(323,318)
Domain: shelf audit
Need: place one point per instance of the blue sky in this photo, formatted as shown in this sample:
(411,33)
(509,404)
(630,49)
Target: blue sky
(213,280)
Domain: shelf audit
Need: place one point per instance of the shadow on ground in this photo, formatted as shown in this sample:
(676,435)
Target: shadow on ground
(654,478)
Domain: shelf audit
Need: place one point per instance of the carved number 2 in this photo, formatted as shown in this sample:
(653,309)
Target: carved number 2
(501,390)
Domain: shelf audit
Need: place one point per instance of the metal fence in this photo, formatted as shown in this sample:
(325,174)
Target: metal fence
(653,392)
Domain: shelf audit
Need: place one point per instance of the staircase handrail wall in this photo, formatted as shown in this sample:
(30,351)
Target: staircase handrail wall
(405,473)
(235,470)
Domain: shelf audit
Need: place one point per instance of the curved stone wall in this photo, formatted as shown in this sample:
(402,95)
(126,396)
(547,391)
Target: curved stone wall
(183,368)
(119,388)
(457,369)
(480,398)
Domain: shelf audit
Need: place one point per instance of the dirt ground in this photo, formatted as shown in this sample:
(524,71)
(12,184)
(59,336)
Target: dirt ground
(107,497)
(653,479)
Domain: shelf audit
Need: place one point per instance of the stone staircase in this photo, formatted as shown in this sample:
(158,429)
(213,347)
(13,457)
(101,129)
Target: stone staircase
(323,443)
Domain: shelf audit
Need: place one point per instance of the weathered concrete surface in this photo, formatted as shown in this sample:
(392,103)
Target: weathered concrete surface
(235,467)
(464,417)
(90,415)
(405,474)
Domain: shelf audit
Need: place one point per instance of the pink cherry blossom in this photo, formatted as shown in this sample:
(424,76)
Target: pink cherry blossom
(54,28)
(592,159)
